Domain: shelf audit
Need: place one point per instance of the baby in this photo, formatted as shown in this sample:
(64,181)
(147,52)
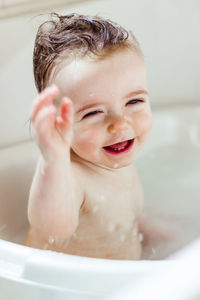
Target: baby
(91,118)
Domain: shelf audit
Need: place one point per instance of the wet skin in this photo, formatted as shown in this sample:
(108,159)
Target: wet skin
(92,207)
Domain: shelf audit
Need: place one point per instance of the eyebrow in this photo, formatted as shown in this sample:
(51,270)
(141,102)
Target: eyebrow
(137,92)
(129,95)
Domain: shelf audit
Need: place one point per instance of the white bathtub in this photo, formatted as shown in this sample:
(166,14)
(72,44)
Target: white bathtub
(179,280)
(169,167)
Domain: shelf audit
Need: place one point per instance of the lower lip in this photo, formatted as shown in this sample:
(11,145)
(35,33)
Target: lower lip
(125,150)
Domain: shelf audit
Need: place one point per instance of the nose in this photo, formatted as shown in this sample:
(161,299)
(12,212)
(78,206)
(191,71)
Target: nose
(118,124)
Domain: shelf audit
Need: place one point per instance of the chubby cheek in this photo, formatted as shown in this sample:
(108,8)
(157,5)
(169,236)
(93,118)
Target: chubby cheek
(86,143)
(143,127)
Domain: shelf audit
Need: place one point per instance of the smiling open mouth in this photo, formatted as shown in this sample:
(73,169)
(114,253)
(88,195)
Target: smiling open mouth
(119,148)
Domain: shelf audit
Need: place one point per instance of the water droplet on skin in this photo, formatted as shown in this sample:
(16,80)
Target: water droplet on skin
(95,209)
(101,198)
(51,239)
(140,237)
(111,227)
(115,166)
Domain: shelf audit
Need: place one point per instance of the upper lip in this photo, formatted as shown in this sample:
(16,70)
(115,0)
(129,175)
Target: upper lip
(117,142)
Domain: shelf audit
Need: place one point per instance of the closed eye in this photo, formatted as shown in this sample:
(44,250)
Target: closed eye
(134,101)
(92,113)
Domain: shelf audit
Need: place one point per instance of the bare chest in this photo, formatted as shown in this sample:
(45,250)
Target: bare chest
(108,218)
(111,208)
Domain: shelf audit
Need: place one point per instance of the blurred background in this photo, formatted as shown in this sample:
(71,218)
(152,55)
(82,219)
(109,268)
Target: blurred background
(168,31)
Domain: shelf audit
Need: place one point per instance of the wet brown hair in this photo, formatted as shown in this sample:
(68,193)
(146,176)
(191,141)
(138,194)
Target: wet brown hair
(74,35)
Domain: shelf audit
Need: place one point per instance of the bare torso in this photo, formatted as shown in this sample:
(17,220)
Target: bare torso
(108,220)
(108,217)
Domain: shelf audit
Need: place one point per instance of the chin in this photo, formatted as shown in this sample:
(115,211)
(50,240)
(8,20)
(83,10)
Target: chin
(119,164)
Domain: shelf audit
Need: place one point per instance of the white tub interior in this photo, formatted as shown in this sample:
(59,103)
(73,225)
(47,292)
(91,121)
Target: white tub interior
(180,280)
(169,169)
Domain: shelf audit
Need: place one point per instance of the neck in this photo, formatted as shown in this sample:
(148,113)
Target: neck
(95,166)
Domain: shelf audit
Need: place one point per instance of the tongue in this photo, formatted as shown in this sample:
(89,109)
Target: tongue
(118,145)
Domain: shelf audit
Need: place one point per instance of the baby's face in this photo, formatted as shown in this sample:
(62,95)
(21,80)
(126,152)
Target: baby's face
(112,115)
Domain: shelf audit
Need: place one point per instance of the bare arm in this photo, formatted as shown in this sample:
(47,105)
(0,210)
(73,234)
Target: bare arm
(54,203)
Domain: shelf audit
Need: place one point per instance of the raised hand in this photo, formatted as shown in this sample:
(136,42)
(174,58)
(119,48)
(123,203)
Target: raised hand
(53,132)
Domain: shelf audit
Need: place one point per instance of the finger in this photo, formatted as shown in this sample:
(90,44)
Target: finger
(44,99)
(45,122)
(66,110)
(64,121)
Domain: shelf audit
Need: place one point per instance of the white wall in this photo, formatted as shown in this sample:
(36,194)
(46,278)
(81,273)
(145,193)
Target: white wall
(168,31)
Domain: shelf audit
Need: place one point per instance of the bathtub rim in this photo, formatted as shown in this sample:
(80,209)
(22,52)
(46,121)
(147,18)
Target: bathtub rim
(30,267)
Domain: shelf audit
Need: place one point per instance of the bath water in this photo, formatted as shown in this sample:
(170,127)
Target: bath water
(170,178)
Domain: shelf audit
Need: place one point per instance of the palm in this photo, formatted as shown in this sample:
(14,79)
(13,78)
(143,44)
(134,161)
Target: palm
(53,133)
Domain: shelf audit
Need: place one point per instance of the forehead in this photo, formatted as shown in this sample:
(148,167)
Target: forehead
(120,71)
